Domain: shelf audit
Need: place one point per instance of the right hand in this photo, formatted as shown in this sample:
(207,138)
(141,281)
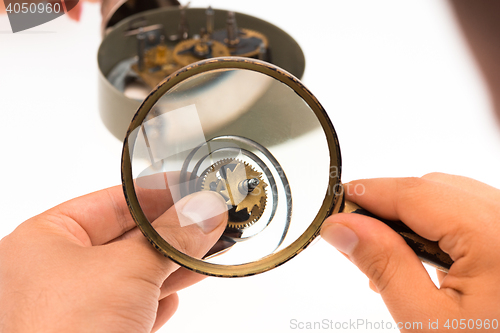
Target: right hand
(462,214)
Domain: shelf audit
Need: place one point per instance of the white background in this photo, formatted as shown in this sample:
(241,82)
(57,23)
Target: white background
(395,76)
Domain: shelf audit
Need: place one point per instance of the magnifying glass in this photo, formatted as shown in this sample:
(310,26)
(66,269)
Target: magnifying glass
(277,165)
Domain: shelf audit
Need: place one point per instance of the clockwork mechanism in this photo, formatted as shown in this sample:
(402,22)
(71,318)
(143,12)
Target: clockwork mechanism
(159,54)
(142,46)
(249,179)
(241,186)
(170,147)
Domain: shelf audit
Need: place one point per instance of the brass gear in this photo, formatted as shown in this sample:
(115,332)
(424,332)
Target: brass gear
(184,58)
(244,34)
(248,33)
(230,177)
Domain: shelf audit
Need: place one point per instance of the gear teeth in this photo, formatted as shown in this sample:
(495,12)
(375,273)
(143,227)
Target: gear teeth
(211,170)
(210,175)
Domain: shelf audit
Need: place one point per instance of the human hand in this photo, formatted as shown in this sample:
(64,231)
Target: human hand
(83,267)
(461,213)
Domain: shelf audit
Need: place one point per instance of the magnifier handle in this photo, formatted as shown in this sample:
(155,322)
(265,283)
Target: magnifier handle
(428,251)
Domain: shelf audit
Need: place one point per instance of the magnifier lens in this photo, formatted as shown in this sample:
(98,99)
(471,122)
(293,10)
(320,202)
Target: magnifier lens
(245,135)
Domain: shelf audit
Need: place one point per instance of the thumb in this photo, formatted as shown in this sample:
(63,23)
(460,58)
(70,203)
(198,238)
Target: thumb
(390,264)
(192,226)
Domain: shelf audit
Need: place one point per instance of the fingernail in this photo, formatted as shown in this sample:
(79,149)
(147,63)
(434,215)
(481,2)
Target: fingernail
(341,237)
(205,209)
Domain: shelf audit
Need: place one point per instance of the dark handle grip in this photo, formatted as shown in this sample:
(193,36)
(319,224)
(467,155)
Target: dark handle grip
(428,251)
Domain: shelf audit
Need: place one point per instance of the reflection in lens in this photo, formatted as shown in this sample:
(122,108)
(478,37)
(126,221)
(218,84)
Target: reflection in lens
(246,136)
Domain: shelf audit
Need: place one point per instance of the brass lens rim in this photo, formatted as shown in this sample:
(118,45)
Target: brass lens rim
(331,203)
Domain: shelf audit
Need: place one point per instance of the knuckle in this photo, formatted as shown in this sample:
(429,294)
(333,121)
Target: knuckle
(410,183)
(181,240)
(408,191)
(378,268)
(121,214)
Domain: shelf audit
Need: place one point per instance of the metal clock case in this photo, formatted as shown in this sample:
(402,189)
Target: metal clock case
(114,11)
(142,49)
(275,177)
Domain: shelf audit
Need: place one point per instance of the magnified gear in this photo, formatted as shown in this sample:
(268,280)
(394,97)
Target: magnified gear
(266,228)
(241,186)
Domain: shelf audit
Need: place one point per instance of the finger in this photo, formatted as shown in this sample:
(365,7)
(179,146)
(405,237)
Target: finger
(467,184)
(178,280)
(166,309)
(390,264)
(424,206)
(195,223)
(440,275)
(74,9)
(155,193)
(372,286)
(102,216)
(192,226)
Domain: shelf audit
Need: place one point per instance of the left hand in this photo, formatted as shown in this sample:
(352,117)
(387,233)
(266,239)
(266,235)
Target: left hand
(83,266)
